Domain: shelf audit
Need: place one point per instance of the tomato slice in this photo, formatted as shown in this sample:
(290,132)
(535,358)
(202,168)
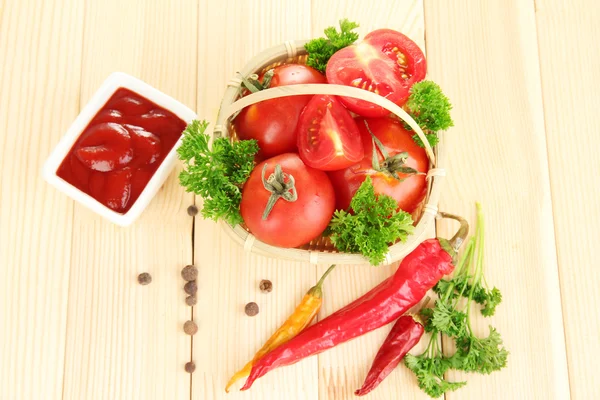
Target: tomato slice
(273,122)
(386,62)
(328,138)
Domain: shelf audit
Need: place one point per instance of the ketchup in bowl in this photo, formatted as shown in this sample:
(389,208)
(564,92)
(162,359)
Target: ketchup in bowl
(120,150)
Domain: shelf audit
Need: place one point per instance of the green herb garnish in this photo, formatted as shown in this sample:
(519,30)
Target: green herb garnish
(452,317)
(320,50)
(218,173)
(375,224)
(430,108)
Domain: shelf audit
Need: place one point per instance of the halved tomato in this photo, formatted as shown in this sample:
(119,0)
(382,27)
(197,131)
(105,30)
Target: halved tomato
(328,138)
(400,173)
(273,122)
(386,62)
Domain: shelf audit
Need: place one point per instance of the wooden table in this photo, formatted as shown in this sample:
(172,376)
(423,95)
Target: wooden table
(524,78)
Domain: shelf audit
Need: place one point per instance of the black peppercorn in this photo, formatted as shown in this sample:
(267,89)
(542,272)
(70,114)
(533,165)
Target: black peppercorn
(265,286)
(189,273)
(190,367)
(190,327)
(144,278)
(192,211)
(191,288)
(191,300)
(251,309)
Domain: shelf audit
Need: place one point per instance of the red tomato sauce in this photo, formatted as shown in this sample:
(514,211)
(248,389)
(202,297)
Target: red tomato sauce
(120,150)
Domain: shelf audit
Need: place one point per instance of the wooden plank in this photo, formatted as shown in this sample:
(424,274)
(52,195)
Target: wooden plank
(484,55)
(40,50)
(569,31)
(229,278)
(342,370)
(125,340)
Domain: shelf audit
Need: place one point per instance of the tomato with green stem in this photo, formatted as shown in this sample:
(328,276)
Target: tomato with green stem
(273,122)
(395,163)
(328,138)
(285,203)
(386,62)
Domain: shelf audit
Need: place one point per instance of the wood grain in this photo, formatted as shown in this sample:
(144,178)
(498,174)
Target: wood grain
(125,341)
(229,278)
(523,77)
(571,103)
(40,53)
(342,370)
(484,55)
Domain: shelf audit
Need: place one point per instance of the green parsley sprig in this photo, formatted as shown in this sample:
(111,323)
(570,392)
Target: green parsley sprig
(374,225)
(217,173)
(452,317)
(430,108)
(321,49)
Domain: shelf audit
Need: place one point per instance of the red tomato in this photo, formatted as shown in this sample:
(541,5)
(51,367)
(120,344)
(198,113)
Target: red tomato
(386,62)
(328,138)
(409,192)
(273,122)
(290,223)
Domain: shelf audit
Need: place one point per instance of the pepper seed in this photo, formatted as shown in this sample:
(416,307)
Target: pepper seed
(265,286)
(191,300)
(189,273)
(190,367)
(191,287)
(251,309)
(192,210)
(190,328)
(144,278)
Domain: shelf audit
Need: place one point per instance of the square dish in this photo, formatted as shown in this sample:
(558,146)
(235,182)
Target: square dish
(81,125)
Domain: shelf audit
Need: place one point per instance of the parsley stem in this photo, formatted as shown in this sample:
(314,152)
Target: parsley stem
(478,273)
(459,268)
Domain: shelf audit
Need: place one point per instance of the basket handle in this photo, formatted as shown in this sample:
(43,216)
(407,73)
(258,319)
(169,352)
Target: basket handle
(328,89)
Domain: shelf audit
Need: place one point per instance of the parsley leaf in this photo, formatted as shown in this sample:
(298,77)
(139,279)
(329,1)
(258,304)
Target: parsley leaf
(218,173)
(480,355)
(493,298)
(320,50)
(430,370)
(374,225)
(430,108)
(450,316)
(432,138)
(446,319)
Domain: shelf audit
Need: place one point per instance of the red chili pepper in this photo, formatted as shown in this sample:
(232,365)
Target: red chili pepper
(405,334)
(417,273)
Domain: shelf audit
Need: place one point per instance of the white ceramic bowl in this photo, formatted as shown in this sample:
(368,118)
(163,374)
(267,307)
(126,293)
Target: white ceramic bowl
(114,82)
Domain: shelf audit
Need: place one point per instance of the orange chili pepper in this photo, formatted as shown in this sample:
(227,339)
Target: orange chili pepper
(302,316)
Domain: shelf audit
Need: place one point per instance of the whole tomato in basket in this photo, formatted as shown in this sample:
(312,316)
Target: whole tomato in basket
(386,62)
(273,122)
(286,203)
(397,171)
(328,138)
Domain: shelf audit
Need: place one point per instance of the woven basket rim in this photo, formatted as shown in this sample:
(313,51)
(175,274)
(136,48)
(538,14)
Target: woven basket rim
(287,51)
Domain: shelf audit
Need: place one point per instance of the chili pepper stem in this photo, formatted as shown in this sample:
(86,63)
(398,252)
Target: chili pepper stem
(317,290)
(460,235)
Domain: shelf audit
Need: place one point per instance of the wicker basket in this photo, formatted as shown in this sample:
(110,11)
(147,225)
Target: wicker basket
(321,249)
